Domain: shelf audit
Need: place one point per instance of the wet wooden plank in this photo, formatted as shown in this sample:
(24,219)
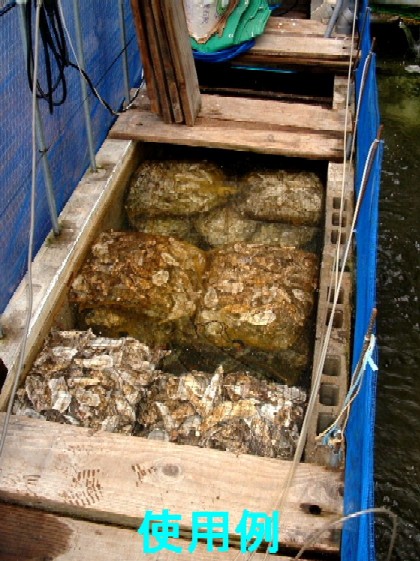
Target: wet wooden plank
(115,479)
(31,534)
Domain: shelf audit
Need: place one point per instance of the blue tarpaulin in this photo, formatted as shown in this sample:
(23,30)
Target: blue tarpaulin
(358,536)
(65,130)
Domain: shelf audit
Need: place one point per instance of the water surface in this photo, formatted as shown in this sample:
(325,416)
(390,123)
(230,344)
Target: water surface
(398,402)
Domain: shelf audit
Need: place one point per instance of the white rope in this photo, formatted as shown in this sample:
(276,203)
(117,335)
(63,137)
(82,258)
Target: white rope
(335,268)
(354,389)
(22,352)
(331,525)
(281,501)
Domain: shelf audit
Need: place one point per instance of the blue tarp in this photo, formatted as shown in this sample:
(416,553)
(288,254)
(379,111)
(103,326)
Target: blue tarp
(358,535)
(64,130)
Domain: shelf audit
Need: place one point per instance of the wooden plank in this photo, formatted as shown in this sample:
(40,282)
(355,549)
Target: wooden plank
(324,101)
(30,534)
(272,48)
(115,479)
(296,27)
(267,114)
(186,74)
(145,56)
(167,61)
(314,47)
(144,126)
(271,133)
(275,113)
(157,62)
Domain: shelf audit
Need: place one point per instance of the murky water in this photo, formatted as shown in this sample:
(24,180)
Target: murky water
(398,402)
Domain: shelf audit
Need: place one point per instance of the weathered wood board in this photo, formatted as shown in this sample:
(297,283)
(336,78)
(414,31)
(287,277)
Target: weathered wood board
(169,68)
(139,21)
(290,26)
(30,534)
(298,49)
(185,72)
(265,126)
(271,113)
(115,479)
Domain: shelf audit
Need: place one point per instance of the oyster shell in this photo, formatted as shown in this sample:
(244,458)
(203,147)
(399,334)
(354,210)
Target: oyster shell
(224,226)
(176,188)
(258,296)
(155,276)
(234,412)
(89,381)
(180,228)
(283,196)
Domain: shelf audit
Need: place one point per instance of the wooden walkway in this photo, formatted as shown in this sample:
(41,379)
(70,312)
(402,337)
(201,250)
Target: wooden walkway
(114,479)
(238,123)
(30,534)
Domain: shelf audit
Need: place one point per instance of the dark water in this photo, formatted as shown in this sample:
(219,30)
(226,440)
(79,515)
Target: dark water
(398,402)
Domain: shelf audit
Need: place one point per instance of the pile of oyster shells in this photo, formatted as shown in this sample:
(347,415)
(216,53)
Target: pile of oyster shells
(114,385)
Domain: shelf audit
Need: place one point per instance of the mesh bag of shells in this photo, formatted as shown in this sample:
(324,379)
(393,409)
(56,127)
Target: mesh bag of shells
(199,203)
(198,322)
(114,385)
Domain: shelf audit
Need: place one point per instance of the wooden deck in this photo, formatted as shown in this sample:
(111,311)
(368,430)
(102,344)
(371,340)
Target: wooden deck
(114,479)
(265,126)
(239,123)
(31,534)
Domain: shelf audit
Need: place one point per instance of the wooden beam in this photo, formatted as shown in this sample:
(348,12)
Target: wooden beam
(168,63)
(171,77)
(146,58)
(267,114)
(323,101)
(273,114)
(31,534)
(153,43)
(115,479)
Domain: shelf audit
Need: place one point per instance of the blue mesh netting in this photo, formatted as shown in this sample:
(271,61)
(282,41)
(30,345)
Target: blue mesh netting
(65,131)
(358,536)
